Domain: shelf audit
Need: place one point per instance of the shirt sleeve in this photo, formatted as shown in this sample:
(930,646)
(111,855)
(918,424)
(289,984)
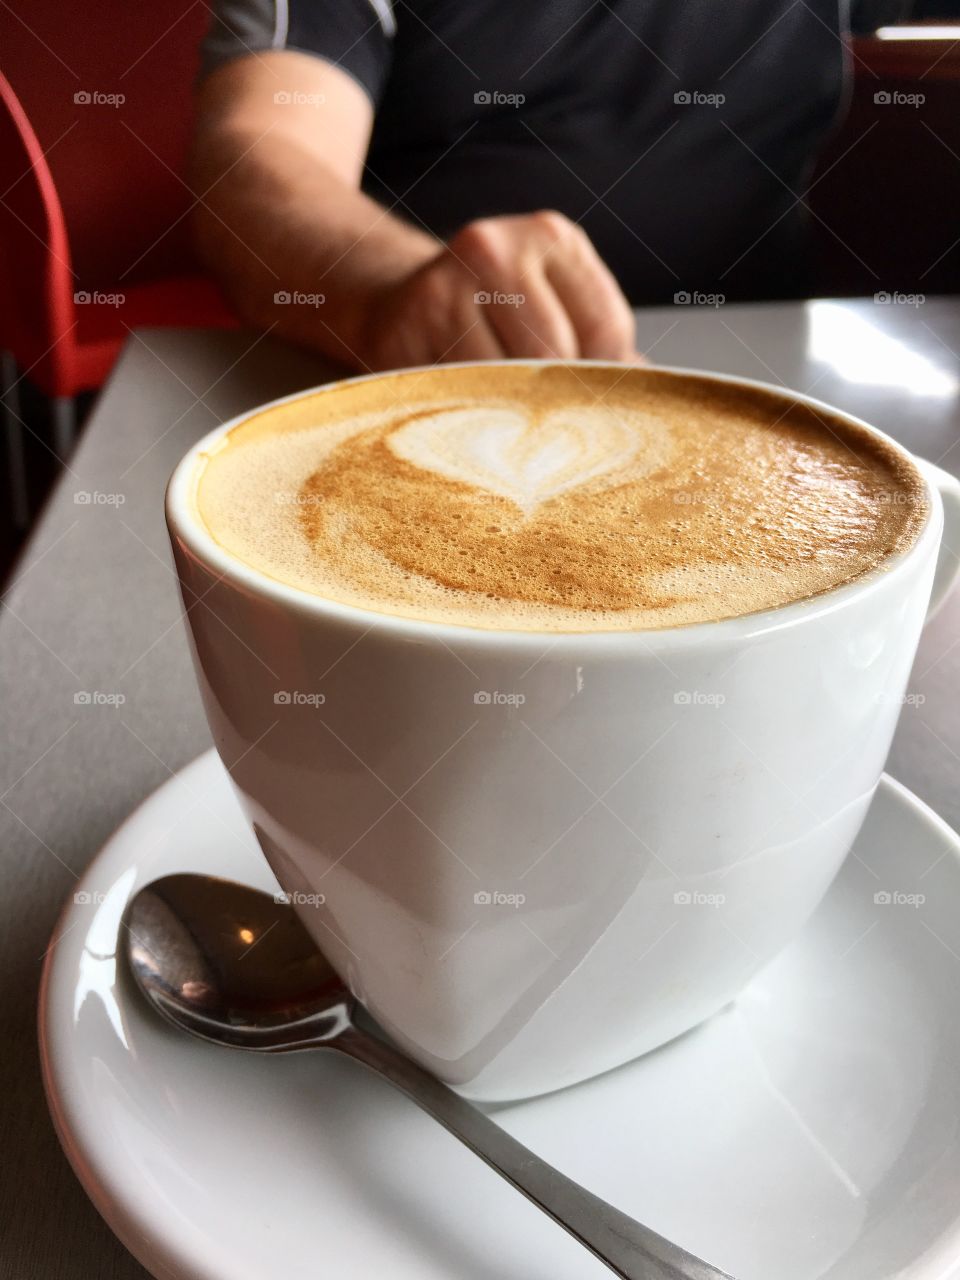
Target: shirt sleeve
(356,35)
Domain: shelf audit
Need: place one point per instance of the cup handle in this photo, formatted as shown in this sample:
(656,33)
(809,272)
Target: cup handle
(948,563)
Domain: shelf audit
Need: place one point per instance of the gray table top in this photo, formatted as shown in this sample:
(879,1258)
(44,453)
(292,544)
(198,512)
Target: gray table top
(94,608)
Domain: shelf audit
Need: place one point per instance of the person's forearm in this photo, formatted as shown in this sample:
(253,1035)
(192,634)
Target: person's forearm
(278,160)
(274,223)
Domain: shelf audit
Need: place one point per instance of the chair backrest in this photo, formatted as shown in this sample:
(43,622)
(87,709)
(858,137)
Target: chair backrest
(36,276)
(108,88)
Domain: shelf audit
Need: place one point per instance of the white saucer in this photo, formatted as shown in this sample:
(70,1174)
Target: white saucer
(810,1131)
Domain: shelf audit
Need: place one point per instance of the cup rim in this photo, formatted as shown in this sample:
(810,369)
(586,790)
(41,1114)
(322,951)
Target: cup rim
(185,525)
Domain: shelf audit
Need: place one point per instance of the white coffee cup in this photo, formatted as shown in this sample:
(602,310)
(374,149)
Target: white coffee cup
(536,856)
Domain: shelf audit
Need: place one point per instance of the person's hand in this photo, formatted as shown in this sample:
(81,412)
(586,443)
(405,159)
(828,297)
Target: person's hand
(529,286)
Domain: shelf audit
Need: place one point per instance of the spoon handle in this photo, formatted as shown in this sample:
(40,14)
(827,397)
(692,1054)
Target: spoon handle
(628,1248)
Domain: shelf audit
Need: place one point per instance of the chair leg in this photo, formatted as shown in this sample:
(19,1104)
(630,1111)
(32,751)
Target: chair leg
(13,437)
(64,426)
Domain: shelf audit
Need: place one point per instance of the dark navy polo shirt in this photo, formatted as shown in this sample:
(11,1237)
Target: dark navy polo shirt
(679,133)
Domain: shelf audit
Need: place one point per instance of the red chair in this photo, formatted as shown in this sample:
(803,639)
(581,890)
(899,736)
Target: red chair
(94,232)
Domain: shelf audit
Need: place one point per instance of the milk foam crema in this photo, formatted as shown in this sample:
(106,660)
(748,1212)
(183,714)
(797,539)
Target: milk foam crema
(557,498)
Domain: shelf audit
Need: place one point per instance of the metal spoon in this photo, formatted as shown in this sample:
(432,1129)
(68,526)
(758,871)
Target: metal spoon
(229,964)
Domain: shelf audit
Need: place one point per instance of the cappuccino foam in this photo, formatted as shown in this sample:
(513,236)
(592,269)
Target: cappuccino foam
(557,498)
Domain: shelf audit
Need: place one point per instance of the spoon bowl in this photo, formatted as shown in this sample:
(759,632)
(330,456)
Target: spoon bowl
(233,965)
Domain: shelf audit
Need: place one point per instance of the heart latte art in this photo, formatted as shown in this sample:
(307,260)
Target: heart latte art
(556,497)
(510,453)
